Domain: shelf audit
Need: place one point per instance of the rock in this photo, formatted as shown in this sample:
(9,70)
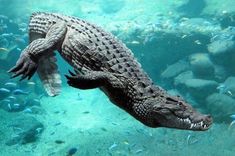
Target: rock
(221,50)
(192,8)
(220,106)
(200,88)
(201,65)
(181,78)
(221,47)
(227,19)
(221,73)
(26,128)
(175,69)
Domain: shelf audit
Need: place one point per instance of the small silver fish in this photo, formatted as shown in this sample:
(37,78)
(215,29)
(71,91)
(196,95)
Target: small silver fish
(4,90)
(139,151)
(9,106)
(221,88)
(16,105)
(10,84)
(6,101)
(27,110)
(112,146)
(31,83)
(20,92)
(191,140)
(11,97)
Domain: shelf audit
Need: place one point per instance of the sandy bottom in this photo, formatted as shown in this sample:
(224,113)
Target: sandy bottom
(88,121)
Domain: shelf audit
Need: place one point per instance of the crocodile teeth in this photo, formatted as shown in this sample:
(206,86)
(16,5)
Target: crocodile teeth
(191,126)
(204,126)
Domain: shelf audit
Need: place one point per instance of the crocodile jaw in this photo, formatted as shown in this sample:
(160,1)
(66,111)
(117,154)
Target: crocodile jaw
(178,114)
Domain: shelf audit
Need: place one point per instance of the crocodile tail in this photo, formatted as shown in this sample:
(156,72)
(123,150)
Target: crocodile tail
(49,75)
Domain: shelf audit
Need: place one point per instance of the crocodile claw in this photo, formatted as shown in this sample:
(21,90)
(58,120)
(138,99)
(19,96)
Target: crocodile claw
(71,80)
(71,73)
(25,66)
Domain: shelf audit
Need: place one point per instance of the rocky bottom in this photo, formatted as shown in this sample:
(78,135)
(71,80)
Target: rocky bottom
(86,123)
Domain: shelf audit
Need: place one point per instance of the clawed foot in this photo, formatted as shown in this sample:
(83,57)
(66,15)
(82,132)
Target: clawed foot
(72,80)
(25,66)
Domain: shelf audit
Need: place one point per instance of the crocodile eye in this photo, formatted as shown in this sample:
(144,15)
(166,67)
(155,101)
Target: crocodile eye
(179,103)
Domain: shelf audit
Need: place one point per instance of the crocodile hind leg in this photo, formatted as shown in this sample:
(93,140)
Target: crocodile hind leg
(93,79)
(28,62)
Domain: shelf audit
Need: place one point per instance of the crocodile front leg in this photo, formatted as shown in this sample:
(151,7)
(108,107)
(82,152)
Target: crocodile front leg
(28,62)
(93,79)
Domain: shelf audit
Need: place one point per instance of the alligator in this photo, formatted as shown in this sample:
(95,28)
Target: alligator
(100,60)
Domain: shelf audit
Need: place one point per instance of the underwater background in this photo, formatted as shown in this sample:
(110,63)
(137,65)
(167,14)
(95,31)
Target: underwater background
(186,46)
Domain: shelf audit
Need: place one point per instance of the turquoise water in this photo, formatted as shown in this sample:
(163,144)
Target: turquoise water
(186,46)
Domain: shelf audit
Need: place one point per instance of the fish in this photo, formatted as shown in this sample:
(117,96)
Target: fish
(9,106)
(16,105)
(39,130)
(6,101)
(232,116)
(59,141)
(27,110)
(4,91)
(4,49)
(191,140)
(10,85)
(86,112)
(231,124)
(18,49)
(139,151)
(72,151)
(112,146)
(19,92)
(221,88)
(11,98)
(103,129)
(126,142)
(197,42)
(114,123)
(233,121)
(31,83)
(135,42)
(57,124)
(184,36)
(230,93)
(7,35)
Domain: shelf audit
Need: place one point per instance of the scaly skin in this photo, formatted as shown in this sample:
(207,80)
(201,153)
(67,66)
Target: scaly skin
(101,60)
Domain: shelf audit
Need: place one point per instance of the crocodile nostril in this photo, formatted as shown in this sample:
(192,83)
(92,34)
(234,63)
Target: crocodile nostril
(208,118)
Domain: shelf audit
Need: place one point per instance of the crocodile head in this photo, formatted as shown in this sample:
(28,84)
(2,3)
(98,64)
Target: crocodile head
(173,112)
